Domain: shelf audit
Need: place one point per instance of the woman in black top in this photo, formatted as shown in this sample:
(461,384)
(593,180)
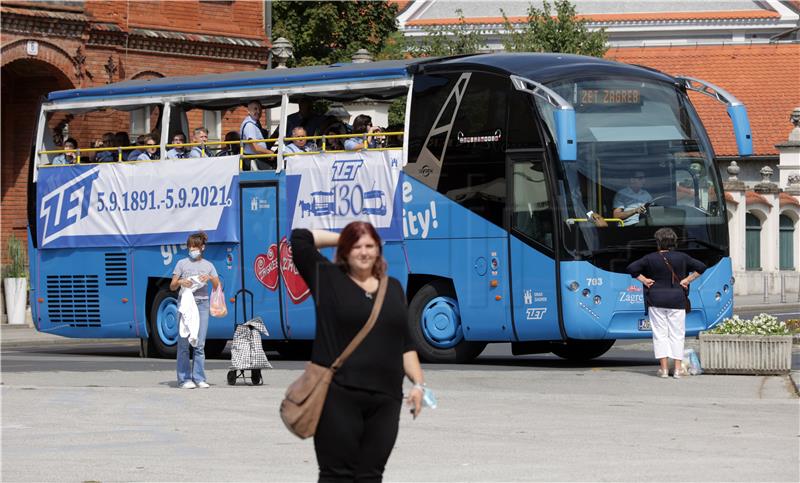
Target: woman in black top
(358,426)
(666,275)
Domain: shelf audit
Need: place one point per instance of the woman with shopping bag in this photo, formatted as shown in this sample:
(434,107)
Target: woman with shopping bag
(359,421)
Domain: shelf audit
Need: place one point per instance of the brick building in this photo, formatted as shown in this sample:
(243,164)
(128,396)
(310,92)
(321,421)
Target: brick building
(54,45)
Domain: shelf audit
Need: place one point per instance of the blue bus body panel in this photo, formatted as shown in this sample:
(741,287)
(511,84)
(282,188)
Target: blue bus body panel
(535,298)
(621,306)
(741,129)
(446,240)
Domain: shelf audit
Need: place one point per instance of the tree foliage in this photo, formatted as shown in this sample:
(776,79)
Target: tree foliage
(564,32)
(449,40)
(330,32)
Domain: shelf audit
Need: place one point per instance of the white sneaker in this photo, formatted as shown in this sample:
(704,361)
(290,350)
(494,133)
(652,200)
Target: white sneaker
(188,385)
(203,385)
(663,374)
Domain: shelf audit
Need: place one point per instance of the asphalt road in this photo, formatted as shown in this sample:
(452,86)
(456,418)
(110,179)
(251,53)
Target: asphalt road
(97,412)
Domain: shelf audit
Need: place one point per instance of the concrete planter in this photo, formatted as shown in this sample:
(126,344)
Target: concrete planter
(745,354)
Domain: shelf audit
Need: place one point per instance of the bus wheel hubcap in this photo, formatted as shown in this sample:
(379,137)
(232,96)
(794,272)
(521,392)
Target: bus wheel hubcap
(167,323)
(441,323)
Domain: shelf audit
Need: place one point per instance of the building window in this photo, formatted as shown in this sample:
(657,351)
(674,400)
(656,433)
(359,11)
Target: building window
(752,242)
(786,243)
(212,120)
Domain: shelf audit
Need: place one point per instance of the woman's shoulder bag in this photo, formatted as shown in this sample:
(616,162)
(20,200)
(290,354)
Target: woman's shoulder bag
(302,405)
(687,302)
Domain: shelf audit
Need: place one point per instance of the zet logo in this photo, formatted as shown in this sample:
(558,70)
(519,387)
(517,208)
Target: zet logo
(66,204)
(346,169)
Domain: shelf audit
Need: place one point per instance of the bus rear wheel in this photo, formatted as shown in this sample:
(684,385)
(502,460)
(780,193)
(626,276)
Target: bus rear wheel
(435,322)
(582,350)
(163,325)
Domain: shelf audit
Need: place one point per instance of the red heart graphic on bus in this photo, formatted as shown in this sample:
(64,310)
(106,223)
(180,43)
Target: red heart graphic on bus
(295,285)
(266,267)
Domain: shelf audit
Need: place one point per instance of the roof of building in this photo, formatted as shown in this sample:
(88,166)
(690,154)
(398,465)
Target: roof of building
(753,198)
(786,199)
(764,77)
(443,12)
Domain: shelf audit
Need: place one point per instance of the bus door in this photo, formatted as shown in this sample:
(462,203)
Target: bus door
(533,266)
(260,259)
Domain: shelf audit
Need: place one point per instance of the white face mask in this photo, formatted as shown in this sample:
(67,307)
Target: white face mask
(194,253)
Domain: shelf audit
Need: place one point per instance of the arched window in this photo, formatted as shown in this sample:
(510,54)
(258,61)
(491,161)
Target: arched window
(786,243)
(752,242)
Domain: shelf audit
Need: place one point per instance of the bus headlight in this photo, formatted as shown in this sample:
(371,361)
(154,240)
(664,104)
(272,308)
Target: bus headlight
(586,292)
(573,286)
(725,288)
(733,280)
(717,296)
(597,299)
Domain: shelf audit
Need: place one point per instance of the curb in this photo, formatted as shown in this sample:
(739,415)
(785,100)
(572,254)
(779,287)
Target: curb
(769,306)
(65,342)
(794,376)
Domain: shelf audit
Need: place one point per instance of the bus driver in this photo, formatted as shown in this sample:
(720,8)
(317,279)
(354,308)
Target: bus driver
(629,202)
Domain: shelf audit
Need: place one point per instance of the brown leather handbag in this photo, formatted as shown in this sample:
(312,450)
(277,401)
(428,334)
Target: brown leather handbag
(302,405)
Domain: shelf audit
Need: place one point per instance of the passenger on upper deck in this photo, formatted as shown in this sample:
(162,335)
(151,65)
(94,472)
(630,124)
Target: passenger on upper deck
(123,139)
(305,117)
(134,154)
(178,152)
(334,144)
(251,129)
(362,124)
(629,202)
(109,141)
(300,145)
(200,135)
(148,153)
(67,158)
(230,149)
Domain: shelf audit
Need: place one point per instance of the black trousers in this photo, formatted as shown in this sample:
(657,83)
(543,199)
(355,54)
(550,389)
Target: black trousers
(356,434)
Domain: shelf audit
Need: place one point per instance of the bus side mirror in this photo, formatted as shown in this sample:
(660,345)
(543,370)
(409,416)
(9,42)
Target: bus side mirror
(741,129)
(565,134)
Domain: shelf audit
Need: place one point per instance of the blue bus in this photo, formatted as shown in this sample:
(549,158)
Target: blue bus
(498,203)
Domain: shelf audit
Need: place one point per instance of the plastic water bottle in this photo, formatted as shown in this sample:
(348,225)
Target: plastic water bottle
(428,398)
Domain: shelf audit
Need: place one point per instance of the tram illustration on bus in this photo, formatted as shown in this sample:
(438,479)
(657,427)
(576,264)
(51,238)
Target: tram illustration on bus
(502,210)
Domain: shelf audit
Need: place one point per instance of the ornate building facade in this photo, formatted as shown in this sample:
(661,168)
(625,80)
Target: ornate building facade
(54,45)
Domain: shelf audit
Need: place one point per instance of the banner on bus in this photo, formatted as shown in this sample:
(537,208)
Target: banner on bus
(138,204)
(328,191)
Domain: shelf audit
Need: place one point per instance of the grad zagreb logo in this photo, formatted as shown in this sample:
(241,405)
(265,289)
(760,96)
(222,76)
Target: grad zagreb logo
(67,204)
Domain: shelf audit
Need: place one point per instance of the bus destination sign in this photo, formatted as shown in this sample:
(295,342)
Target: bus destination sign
(610,97)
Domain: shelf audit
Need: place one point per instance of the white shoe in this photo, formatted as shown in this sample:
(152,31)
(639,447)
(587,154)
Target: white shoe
(188,385)
(679,374)
(203,385)
(663,374)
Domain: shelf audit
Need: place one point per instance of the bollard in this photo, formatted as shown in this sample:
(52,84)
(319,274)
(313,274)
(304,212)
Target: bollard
(765,286)
(783,288)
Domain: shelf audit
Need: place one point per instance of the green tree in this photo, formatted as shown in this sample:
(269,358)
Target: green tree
(563,32)
(449,40)
(329,32)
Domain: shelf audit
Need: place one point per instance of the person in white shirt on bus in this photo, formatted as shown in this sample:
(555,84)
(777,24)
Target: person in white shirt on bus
(251,129)
(629,202)
(178,152)
(150,149)
(67,158)
(300,145)
(362,124)
(200,135)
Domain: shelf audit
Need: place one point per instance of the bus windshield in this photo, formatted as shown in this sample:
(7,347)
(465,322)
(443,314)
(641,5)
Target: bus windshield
(644,162)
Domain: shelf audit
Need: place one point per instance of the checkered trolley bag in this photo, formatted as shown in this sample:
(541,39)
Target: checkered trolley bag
(247,353)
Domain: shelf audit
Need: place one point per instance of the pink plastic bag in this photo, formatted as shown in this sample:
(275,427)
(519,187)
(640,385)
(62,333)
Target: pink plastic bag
(218,306)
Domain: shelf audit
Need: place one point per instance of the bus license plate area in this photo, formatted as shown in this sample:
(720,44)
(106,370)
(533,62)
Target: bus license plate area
(644,324)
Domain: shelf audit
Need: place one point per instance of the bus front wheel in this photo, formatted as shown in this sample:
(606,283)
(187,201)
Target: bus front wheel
(582,350)
(163,325)
(435,323)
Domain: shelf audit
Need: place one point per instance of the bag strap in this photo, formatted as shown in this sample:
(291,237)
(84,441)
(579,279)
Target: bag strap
(362,334)
(674,277)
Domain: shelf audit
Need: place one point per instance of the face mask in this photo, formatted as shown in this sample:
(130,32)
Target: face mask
(194,254)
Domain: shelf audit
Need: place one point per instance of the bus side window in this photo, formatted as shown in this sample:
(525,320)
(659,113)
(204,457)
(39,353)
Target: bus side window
(473,168)
(532,215)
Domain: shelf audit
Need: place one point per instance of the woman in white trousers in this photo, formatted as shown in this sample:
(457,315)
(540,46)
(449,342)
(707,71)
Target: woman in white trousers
(666,275)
